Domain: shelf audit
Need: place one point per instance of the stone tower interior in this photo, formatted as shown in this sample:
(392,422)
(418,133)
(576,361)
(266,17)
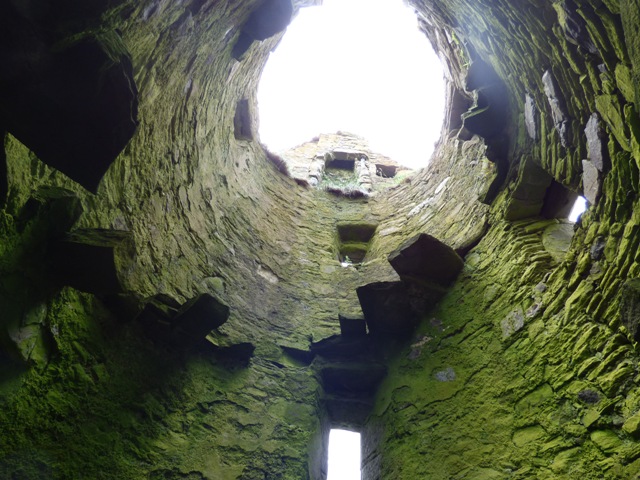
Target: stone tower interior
(173,305)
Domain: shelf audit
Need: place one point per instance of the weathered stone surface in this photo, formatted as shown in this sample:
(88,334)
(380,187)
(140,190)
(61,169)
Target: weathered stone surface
(597,248)
(531,117)
(632,425)
(202,204)
(606,440)
(596,143)
(198,317)
(512,323)
(530,191)
(574,25)
(425,258)
(558,107)
(591,182)
(630,15)
(557,240)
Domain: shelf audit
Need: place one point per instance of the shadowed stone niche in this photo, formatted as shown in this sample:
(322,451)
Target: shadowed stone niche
(71,98)
(353,241)
(242,128)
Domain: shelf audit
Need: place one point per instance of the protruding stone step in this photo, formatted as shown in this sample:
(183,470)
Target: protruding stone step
(156,317)
(396,307)
(184,326)
(299,355)
(197,318)
(427,259)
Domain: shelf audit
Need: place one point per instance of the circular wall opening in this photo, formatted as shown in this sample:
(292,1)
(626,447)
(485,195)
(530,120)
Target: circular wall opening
(361,66)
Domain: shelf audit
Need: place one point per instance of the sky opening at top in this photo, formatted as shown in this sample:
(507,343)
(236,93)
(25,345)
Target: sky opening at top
(360,66)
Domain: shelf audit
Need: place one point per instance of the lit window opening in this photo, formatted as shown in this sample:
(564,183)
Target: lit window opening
(361,66)
(344,455)
(579,207)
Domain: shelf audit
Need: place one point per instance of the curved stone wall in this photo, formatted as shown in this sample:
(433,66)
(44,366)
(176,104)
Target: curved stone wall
(525,369)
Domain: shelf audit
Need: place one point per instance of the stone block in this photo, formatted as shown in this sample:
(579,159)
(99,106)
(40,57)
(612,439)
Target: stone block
(606,440)
(531,117)
(298,354)
(427,259)
(558,107)
(527,435)
(632,425)
(197,318)
(591,182)
(396,307)
(512,323)
(596,143)
(557,239)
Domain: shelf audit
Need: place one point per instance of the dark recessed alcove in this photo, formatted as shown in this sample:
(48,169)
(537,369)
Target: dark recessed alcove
(386,171)
(340,164)
(353,240)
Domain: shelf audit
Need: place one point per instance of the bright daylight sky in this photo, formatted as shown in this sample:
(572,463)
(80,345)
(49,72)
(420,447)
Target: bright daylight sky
(344,455)
(360,66)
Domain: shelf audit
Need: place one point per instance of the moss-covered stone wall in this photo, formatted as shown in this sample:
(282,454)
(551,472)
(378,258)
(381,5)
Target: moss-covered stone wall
(526,369)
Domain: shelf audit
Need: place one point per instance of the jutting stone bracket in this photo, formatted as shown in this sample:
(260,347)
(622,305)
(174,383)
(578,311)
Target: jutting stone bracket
(426,267)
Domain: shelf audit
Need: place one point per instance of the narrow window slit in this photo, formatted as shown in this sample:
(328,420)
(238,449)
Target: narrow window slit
(344,455)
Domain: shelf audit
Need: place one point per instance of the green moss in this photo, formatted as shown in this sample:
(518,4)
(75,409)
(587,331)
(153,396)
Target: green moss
(609,108)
